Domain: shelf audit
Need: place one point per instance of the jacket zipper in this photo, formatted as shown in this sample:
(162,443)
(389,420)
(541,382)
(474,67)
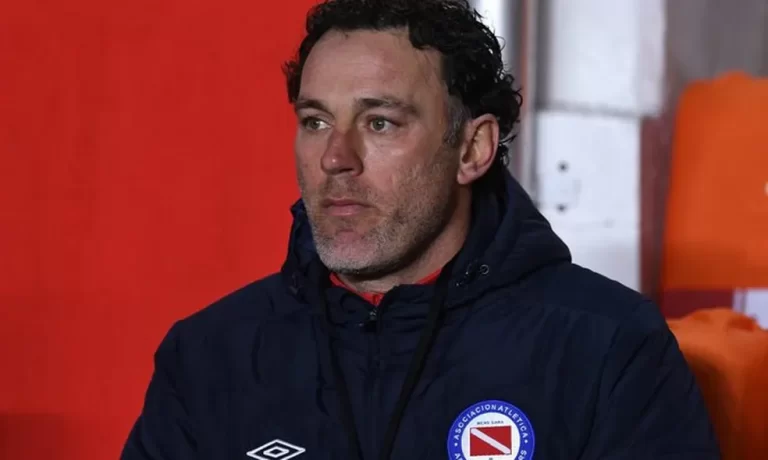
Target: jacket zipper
(374,378)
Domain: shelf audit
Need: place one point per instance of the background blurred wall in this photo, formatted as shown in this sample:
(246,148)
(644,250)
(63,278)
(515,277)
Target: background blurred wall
(608,75)
(707,37)
(145,170)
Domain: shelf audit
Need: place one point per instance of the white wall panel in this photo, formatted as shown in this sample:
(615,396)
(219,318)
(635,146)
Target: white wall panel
(610,250)
(753,302)
(603,55)
(589,165)
(588,189)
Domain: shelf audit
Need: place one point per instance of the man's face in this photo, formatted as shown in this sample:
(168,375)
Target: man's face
(376,178)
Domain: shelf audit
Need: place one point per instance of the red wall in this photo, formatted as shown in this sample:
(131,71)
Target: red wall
(145,170)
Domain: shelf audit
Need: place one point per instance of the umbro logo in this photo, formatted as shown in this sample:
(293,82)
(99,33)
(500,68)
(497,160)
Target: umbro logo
(276,450)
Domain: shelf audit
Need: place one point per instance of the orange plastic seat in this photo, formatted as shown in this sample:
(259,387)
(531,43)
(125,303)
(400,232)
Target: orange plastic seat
(728,353)
(715,253)
(716,228)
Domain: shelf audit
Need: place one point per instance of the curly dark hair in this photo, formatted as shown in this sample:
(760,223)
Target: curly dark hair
(472,65)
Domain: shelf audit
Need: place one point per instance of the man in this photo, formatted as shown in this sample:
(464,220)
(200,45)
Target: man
(425,310)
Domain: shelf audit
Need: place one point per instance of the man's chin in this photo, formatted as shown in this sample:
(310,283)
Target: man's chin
(347,254)
(343,240)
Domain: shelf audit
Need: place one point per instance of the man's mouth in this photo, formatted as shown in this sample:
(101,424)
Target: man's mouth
(343,206)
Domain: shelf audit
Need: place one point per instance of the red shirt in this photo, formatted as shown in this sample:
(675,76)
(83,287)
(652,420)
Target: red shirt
(375,297)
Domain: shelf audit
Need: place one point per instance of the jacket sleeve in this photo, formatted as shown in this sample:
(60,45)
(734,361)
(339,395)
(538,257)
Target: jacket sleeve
(648,403)
(163,430)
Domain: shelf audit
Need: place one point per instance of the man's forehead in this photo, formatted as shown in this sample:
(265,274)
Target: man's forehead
(370,60)
(385,101)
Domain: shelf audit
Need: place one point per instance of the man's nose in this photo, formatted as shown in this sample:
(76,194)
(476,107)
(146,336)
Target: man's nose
(342,154)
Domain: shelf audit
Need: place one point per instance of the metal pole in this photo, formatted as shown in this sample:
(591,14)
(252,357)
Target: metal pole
(515,23)
(527,173)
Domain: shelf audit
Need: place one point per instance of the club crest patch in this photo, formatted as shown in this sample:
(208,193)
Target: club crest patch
(491,430)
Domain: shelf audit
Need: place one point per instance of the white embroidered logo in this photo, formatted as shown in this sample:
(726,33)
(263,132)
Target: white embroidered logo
(276,450)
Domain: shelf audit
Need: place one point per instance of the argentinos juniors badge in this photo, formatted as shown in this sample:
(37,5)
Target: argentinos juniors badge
(491,430)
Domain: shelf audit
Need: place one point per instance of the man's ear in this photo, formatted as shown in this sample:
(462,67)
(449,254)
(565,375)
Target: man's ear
(479,150)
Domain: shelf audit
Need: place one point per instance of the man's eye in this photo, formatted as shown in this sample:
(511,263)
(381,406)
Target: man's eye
(381,124)
(313,124)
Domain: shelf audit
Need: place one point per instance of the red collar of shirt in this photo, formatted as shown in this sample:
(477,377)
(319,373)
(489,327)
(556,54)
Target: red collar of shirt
(375,297)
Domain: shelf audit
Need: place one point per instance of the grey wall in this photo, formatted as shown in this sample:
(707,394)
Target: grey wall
(708,37)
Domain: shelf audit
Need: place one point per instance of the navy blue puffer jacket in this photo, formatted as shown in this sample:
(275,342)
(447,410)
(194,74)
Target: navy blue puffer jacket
(515,353)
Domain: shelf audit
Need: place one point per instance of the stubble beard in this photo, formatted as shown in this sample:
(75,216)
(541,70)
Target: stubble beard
(415,217)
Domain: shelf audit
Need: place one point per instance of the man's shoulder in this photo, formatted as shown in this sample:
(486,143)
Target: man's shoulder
(576,290)
(213,346)
(248,306)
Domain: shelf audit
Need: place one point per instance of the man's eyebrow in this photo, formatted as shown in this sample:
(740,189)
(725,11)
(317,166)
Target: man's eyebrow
(362,104)
(386,102)
(303,103)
